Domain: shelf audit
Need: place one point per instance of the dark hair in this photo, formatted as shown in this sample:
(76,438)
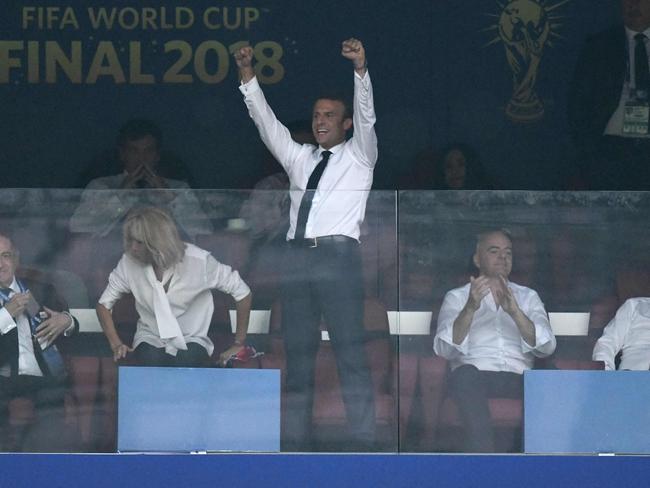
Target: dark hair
(135,129)
(337,97)
(475,178)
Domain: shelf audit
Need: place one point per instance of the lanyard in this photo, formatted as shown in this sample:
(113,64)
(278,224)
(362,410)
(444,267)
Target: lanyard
(23,289)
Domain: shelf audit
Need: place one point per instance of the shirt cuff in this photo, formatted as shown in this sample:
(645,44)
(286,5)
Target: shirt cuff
(359,77)
(605,358)
(447,342)
(108,298)
(7,322)
(540,340)
(249,87)
(241,292)
(463,347)
(70,330)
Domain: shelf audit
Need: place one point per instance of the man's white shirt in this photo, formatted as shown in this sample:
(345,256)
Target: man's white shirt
(339,204)
(628,331)
(494,342)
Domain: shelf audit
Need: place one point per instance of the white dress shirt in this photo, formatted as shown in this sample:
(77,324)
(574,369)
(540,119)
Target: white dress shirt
(615,125)
(628,331)
(27,363)
(104,204)
(493,342)
(339,205)
(188,294)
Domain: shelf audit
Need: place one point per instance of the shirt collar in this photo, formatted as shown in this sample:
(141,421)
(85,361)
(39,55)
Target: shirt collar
(168,274)
(630,34)
(14,285)
(333,150)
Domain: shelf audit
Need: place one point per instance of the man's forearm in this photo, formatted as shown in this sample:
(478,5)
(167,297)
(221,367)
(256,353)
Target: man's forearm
(526,327)
(246,74)
(361,69)
(275,136)
(462,324)
(364,137)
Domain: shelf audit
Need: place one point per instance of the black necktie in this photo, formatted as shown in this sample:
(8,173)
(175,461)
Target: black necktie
(308,197)
(641,70)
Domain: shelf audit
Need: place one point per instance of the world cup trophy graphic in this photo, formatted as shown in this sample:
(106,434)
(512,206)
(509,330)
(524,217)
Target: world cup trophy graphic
(524,28)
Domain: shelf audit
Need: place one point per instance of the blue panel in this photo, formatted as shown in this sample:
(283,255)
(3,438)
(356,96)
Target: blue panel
(198,409)
(327,471)
(587,412)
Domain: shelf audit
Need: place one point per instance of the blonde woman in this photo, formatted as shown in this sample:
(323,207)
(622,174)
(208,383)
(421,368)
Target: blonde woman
(171,282)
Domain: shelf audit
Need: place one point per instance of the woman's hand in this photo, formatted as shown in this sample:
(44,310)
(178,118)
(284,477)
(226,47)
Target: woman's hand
(231,351)
(120,351)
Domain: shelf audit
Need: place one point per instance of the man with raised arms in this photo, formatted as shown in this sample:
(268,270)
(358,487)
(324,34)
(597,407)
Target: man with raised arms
(329,184)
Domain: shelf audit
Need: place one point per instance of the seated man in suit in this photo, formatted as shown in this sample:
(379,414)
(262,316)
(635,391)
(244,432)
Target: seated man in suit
(30,363)
(490,330)
(628,333)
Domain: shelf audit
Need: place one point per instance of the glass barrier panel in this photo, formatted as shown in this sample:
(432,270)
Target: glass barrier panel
(569,259)
(163,301)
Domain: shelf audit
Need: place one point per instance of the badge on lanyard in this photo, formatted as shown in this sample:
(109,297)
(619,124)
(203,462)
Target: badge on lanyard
(636,114)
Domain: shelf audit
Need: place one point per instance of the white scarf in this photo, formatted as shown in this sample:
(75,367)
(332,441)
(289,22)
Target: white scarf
(168,328)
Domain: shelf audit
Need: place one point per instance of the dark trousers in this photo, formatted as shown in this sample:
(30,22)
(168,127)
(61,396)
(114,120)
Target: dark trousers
(195,357)
(48,432)
(326,281)
(471,389)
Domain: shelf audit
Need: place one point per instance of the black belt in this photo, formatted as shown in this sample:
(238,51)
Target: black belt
(321,241)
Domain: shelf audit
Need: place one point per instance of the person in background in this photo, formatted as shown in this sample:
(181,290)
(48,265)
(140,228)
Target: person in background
(459,168)
(608,103)
(454,167)
(139,146)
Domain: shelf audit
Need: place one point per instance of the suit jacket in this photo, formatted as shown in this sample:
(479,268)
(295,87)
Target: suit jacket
(46,295)
(596,87)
